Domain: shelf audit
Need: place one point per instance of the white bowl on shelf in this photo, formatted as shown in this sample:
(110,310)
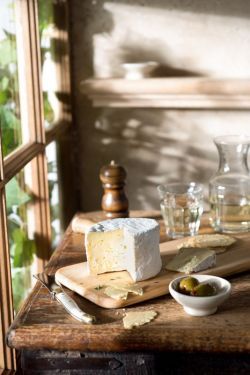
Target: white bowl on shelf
(201,306)
(139,70)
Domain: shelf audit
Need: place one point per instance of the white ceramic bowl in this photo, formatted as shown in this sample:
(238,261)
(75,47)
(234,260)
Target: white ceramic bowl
(139,70)
(201,306)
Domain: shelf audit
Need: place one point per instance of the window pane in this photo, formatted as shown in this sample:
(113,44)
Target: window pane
(9,92)
(52,22)
(49,78)
(21,229)
(55,212)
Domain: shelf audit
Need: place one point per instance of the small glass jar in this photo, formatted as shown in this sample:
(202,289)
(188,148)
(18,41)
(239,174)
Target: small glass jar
(229,188)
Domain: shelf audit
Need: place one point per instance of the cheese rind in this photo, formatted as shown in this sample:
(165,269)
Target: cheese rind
(190,260)
(130,244)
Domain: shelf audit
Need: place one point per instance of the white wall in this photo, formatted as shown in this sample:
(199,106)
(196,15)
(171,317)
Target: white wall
(192,37)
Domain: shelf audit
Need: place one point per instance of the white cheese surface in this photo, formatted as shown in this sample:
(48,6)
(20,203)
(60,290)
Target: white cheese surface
(132,225)
(130,244)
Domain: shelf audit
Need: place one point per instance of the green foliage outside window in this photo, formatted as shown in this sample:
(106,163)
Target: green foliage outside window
(18,198)
(22,247)
(9,105)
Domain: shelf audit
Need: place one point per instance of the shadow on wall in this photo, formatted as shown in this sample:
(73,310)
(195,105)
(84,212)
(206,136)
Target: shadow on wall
(154,145)
(239,8)
(154,148)
(106,53)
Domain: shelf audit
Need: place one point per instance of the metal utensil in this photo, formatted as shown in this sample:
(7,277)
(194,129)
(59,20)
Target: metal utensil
(68,303)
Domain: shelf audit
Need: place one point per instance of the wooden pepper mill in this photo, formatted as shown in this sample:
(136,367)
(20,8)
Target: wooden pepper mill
(114,200)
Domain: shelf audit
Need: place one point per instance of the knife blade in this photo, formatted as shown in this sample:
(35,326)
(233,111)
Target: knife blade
(68,303)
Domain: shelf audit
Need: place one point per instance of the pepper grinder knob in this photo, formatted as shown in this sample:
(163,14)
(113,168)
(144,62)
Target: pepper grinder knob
(114,200)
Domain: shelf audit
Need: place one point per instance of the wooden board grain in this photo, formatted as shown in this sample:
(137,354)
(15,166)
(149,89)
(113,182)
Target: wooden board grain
(75,277)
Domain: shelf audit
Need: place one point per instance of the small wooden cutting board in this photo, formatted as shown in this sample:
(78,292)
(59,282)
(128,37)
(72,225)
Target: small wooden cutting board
(75,277)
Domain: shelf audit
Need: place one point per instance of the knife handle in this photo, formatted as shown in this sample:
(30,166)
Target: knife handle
(73,308)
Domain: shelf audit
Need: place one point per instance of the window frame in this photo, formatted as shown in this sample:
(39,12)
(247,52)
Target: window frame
(34,152)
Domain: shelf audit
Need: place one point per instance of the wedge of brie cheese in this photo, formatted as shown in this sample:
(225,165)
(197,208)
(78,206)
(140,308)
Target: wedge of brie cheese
(189,260)
(130,244)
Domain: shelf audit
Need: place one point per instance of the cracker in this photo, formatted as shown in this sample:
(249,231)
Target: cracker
(217,242)
(138,318)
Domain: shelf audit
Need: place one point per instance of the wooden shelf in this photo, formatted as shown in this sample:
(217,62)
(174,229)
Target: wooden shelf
(180,93)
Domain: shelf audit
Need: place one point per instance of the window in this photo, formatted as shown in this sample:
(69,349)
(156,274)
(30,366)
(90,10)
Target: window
(35,129)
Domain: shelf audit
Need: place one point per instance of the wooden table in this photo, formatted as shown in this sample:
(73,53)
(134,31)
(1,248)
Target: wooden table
(50,339)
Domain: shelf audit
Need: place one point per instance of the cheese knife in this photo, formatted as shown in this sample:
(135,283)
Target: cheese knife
(68,303)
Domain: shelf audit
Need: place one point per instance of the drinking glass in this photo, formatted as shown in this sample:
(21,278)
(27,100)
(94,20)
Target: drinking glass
(181,207)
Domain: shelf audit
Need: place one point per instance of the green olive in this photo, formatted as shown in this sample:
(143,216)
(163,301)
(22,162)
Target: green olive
(187,284)
(203,290)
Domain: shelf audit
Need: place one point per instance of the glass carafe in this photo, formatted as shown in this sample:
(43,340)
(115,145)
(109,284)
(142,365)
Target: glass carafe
(229,189)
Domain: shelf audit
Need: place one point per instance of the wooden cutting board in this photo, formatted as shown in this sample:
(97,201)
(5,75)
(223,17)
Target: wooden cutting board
(75,277)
